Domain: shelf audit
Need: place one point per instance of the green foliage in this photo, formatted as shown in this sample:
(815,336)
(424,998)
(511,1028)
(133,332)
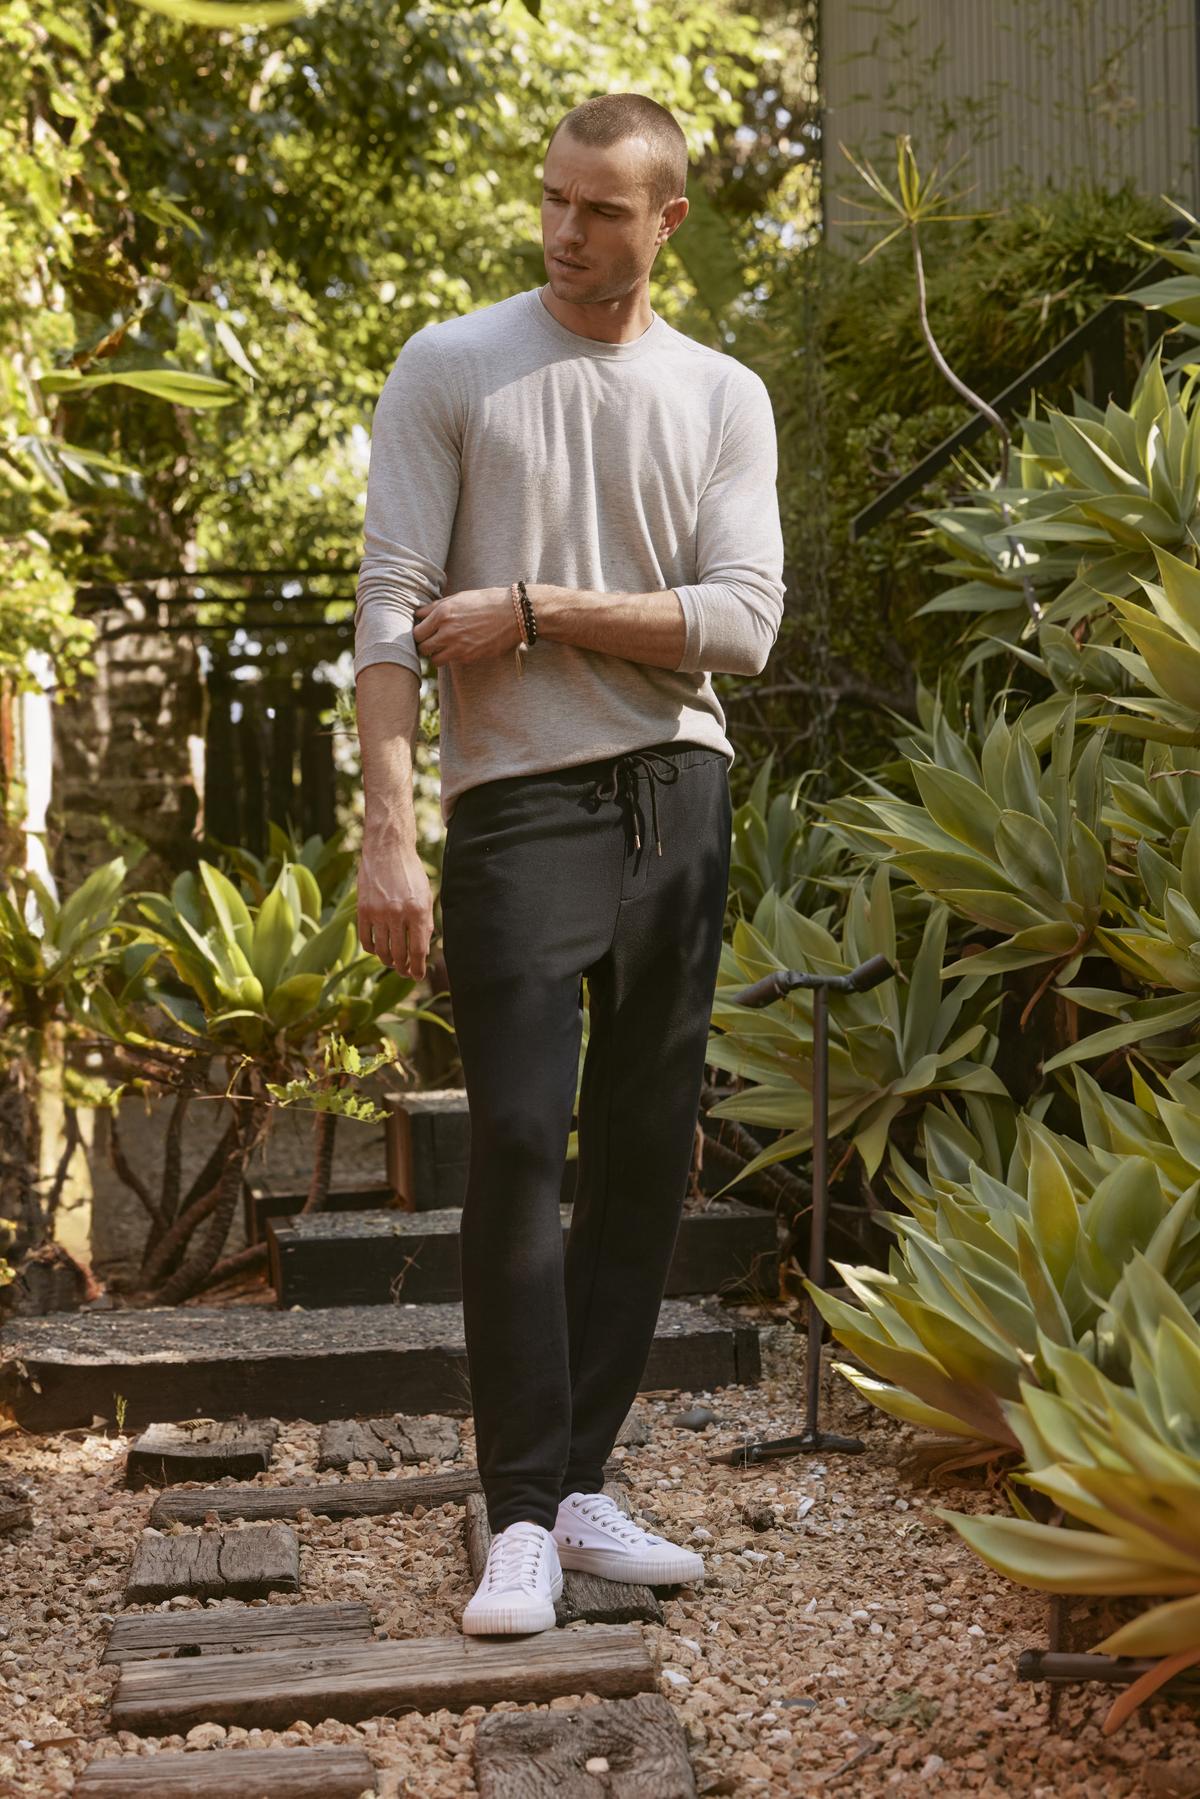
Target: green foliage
(773,846)
(1039,822)
(858,402)
(219,223)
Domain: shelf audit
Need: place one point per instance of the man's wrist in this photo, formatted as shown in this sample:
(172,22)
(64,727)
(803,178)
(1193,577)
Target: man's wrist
(550,607)
(390,827)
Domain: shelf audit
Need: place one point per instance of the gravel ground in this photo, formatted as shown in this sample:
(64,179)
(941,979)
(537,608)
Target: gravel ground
(843,1639)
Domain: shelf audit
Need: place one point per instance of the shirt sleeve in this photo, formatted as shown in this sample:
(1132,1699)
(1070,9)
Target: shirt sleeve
(412,495)
(733,609)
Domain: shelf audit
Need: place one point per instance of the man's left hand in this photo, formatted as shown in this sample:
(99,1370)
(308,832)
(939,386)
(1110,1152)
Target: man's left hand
(470,626)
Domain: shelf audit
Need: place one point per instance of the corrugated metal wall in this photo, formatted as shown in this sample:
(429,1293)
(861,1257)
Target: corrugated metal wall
(1048,91)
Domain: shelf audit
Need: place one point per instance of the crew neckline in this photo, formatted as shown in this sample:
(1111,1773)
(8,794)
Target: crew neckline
(591,346)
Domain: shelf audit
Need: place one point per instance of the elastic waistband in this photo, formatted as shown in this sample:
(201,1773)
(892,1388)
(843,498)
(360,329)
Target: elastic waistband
(582,774)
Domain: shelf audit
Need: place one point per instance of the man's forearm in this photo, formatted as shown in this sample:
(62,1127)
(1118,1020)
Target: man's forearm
(642,627)
(388,710)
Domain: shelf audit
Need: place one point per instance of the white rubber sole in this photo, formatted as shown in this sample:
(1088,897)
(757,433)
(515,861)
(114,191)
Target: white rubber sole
(512,1617)
(678,1569)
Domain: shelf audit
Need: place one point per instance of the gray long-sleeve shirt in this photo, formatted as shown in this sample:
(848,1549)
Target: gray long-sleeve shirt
(506,446)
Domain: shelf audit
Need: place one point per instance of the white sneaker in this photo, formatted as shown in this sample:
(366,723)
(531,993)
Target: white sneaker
(592,1534)
(519,1585)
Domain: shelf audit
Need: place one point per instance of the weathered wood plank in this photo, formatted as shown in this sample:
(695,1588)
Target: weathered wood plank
(200,1449)
(632,1745)
(231,1774)
(204,1361)
(277,1688)
(586,1598)
(140,1635)
(388,1441)
(339,1499)
(387,1257)
(215,1564)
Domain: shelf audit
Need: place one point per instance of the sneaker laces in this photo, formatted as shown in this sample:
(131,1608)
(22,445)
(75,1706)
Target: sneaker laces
(598,1508)
(514,1556)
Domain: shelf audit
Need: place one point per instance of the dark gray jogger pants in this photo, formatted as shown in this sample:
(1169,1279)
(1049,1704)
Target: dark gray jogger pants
(545,882)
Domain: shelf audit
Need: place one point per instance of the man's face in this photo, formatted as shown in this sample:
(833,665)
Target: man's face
(595,212)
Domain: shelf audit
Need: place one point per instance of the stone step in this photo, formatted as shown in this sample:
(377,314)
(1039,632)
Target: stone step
(275,1689)
(167,1364)
(382,1257)
(260,1204)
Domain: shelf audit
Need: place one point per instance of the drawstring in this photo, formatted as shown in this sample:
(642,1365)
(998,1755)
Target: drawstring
(622,780)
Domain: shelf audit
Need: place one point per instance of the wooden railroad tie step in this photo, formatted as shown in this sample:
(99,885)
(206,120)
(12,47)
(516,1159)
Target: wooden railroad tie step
(382,1257)
(215,1564)
(278,1688)
(199,1449)
(231,1774)
(585,1597)
(634,1745)
(260,1204)
(388,1441)
(340,1499)
(391,1441)
(142,1636)
(58,1372)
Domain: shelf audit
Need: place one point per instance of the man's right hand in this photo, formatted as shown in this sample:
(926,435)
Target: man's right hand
(395,905)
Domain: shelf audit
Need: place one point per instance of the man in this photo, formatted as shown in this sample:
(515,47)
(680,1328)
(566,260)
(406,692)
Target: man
(567,439)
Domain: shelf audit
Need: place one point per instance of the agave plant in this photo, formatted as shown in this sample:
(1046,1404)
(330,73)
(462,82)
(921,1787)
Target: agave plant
(1164,663)
(1097,493)
(889,1049)
(1002,840)
(775,845)
(327,861)
(277,993)
(1123,1461)
(988,1271)
(1179,295)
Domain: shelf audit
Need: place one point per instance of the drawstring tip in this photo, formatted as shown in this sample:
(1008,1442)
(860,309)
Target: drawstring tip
(637,842)
(658,846)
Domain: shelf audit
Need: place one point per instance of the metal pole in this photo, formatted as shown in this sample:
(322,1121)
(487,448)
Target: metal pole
(820,1199)
(812,1439)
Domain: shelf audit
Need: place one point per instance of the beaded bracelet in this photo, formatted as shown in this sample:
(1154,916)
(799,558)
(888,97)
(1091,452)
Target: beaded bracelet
(522,649)
(531,629)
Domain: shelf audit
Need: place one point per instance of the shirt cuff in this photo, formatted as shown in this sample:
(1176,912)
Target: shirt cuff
(402,653)
(692,660)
